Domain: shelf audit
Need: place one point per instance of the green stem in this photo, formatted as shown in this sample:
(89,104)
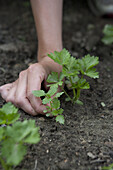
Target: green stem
(78,94)
(51,106)
(66,94)
(74,93)
(4,165)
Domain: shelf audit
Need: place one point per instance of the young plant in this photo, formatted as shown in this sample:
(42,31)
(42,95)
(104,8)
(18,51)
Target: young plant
(74,71)
(8,114)
(14,135)
(108,34)
(51,101)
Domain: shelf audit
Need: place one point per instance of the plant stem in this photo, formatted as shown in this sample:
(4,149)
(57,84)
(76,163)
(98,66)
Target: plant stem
(74,93)
(78,94)
(51,106)
(66,94)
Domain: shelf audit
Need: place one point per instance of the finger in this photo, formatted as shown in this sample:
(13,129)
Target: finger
(6,86)
(4,90)
(20,95)
(36,75)
(11,95)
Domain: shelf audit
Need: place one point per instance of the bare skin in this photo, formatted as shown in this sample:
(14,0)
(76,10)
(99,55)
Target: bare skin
(48,21)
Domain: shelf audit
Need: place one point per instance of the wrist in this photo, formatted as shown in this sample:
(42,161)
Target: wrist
(47,48)
(50,65)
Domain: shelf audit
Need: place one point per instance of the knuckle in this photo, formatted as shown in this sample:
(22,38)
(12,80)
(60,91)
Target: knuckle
(32,67)
(38,110)
(19,101)
(22,73)
(9,99)
(29,94)
(13,84)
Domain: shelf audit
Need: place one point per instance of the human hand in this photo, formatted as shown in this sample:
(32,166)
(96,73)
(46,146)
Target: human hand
(20,91)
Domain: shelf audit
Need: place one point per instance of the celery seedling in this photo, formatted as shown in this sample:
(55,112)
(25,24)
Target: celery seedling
(108,34)
(74,71)
(8,114)
(14,137)
(51,101)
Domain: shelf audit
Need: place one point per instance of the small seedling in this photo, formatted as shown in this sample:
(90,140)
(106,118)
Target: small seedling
(51,101)
(74,72)
(14,135)
(108,34)
(8,114)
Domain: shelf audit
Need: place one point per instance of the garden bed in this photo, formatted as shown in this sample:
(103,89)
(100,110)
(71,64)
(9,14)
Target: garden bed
(85,141)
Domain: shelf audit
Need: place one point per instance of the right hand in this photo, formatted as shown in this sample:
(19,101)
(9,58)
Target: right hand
(20,91)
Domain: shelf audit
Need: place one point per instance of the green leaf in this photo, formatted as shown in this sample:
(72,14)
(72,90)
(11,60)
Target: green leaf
(53,77)
(48,114)
(25,131)
(69,72)
(67,81)
(62,76)
(33,137)
(57,112)
(87,62)
(60,83)
(67,99)
(79,102)
(73,65)
(54,112)
(108,34)
(60,119)
(46,100)
(45,111)
(61,57)
(90,61)
(59,94)
(9,119)
(8,114)
(12,152)
(75,79)
(53,89)
(108,30)
(92,73)
(9,108)
(81,65)
(47,107)
(107,40)
(55,103)
(39,93)
(60,111)
(81,84)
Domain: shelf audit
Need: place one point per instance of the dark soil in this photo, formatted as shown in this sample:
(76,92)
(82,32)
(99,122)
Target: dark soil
(85,141)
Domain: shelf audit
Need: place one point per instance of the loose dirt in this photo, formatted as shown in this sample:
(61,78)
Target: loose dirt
(85,141)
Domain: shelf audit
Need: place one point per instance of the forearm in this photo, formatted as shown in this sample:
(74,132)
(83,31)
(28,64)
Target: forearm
(48,20)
